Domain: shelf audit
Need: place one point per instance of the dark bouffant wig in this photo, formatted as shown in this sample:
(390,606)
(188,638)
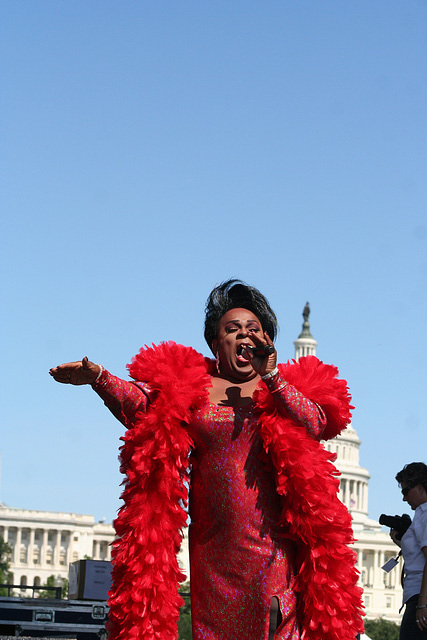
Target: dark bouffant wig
(413,474)
(235,294)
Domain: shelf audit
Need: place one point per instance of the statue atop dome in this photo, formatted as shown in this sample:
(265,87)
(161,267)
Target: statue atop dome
(305,344)
(306,312)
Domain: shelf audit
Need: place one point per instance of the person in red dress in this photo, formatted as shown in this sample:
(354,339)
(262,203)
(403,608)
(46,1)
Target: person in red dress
(268,538)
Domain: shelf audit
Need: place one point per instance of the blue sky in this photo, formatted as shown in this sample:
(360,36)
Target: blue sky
(150,150)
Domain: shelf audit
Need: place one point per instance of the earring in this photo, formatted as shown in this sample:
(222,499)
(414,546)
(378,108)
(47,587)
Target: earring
(217,362)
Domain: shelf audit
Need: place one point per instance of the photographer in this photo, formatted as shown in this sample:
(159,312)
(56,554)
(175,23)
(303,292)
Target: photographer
(413,483)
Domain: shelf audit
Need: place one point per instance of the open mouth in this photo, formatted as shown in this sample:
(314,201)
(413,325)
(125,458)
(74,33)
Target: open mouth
(242,354)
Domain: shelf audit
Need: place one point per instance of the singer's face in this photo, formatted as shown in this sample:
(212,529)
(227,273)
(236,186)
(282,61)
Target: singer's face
(234,331)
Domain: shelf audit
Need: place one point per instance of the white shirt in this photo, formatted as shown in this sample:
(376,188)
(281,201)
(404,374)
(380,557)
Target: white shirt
(412,542)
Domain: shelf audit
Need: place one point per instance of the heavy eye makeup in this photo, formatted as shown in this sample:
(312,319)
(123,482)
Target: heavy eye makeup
(231,328)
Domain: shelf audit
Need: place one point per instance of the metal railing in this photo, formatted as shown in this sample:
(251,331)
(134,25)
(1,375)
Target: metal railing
(21,587)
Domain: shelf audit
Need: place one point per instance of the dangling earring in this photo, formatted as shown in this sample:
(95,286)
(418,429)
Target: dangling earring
(217,362)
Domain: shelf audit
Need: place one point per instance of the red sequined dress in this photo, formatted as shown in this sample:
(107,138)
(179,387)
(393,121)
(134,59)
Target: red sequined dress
(240,557)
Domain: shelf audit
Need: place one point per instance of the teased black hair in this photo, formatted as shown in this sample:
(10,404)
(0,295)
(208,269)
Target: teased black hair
(233,294)
(412,474)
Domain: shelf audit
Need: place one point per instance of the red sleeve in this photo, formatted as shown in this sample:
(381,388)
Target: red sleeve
(320,383)
(289,401)
(122,397)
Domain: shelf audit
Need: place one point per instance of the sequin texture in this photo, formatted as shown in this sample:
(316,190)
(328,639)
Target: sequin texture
(240,559)
(297,406)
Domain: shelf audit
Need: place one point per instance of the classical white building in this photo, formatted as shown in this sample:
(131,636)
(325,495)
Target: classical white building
(382,592)
(44,543)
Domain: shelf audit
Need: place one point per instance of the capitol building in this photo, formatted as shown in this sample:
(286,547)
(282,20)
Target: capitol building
(44,543)
(382,592)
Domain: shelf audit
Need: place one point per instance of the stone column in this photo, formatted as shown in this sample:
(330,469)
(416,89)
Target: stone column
(352,495)
(71,547)
(68,548)
(17,547)
(344,491)
(371,569)
(30,553)
(57,549)
(360,564)
(24,529)
(43,550)
(96,550)
(380,570)
(377,569)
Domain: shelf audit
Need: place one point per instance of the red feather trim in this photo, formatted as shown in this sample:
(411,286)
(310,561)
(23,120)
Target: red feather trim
(144,600)
(319,382)
(329,603)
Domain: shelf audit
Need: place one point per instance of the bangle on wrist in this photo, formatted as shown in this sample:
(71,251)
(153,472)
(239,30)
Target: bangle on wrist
(271,374)
(101,369)
(421,606)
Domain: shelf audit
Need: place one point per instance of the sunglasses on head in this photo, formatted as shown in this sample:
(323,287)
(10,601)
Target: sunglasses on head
(406,490)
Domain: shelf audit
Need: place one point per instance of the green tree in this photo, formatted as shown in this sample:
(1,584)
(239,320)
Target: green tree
(64,587)
(54,582)
(381,629)
(5,558)
(184,623)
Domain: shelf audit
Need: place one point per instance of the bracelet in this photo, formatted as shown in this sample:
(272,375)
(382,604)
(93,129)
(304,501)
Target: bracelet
(271,374)
(101,369)
(421,606)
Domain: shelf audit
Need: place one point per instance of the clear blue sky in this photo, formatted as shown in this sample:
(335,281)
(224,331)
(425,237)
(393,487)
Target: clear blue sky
(150,150)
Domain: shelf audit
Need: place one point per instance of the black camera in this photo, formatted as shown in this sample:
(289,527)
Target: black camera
(399,523)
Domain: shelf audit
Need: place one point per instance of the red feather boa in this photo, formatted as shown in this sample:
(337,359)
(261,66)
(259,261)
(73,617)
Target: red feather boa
(144,601)
(329,602)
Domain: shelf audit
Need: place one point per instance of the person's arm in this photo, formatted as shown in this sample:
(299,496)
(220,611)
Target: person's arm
(421,614)
(122,397)
(288,400)
(291,402)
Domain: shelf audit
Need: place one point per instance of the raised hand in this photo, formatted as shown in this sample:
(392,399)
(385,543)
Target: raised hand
(81,372)
(266,363)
